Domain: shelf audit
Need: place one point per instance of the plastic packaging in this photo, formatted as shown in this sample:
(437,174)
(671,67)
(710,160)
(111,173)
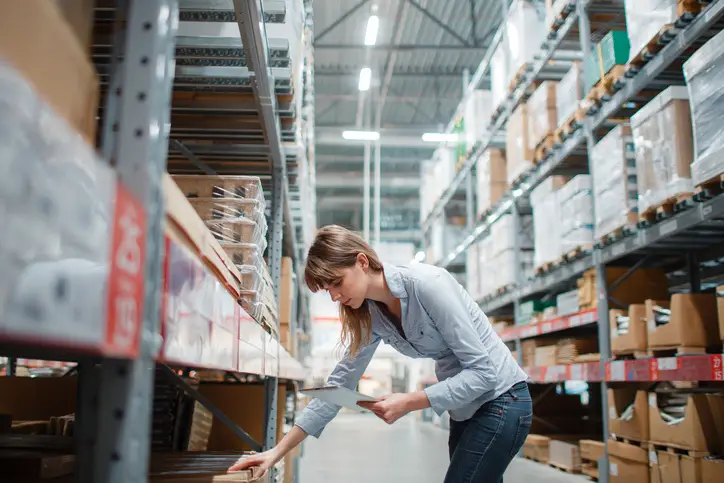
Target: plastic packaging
(228,209)
(491,179)
(569,92)
(644,20)
(443,239)
(205,186)
(576,211)
(546,222)
(503,235)
(436,176)
(239,230)
(477,116)
(519,157)
(615,185)
(554,10)
(244,254)
(704,72)
(542,118)
(525,31)
(664,148)
(499,67)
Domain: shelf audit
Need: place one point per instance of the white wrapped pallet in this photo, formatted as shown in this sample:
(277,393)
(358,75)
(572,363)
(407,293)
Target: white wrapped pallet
(546,221)
(491,179)
(542,119)
(569,92)
(644,20)
(503,234)
(477,116)
(664,149)
(704,73)
(499,68)
(525,31)
(576,211)
(615,185)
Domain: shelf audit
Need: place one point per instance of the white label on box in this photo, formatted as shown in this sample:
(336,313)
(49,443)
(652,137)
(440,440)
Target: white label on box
(667,363)
(652,400)
(652,324)
(653,458)
(668,227)
(618,370)
(612,413)
(613,469)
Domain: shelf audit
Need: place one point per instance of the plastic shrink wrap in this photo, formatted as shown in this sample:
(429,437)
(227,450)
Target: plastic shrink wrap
(542,118)
(477,116)
(576,214)
(663,142)
(519,157)
(704,73)
(444,237)
(569,92)
(499,67)
(436,176)
(503,234)
(644,19)
(546,221)
(491,179)
(525,31)
(615,185)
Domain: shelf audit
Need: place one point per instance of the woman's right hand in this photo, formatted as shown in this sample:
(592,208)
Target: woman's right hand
(263,461)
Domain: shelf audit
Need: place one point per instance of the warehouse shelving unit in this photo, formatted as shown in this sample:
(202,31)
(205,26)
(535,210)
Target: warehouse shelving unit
(166,98)
(693,230)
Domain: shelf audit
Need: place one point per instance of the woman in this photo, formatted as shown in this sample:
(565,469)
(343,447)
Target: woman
(422,311)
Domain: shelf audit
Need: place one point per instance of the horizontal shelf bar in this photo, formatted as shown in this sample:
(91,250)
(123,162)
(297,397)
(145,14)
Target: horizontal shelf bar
(583,318)
(587,371)
(706,367)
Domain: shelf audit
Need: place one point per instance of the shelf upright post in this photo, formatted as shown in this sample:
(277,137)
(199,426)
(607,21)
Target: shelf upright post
(114,431)
(518,270)
(604,341)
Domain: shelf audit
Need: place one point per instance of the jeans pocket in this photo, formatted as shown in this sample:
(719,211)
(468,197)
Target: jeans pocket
(524,423)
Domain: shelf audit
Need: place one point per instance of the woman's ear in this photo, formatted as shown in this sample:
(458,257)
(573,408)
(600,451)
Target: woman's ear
(363,262)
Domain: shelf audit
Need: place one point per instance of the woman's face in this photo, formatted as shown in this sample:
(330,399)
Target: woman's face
(351,287)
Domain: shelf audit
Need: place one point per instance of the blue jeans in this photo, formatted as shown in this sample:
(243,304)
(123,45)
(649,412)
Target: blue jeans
(482,447)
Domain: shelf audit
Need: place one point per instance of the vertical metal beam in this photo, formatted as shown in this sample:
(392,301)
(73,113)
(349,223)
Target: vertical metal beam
(140,120)
(692,262)
(86,424)
(518,270)
(270,430)
(11,366)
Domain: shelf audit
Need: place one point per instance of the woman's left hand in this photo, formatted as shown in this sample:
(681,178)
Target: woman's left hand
(389,408)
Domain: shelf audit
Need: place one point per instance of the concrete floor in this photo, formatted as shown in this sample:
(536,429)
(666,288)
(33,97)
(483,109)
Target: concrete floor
(361,448)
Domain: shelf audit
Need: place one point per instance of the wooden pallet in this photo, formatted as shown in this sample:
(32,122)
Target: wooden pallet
(577,252)
(666,209)
(678,350)
(709,188)
(633,442)
(653,47)
(606,87)
(569,126)
(546,267)
(544,147)
(590,470)
(677,449)
(620,232)
(632,354)
(560,19)
(537,460)
(518,78)
(558,466)
(504,289)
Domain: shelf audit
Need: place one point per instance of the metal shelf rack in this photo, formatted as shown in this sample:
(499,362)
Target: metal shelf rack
(104,301)
(697,229)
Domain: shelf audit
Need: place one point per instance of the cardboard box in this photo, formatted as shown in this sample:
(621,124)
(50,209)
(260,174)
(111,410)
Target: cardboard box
(34,399)
(545,356)
(646,283)
(542,117)
(565,455)
(700,428)
(536,447)
(720,309)
(636,338)
(674,468)
(693,322)
(591,450)
(37,41)
(627,463)
(519,155)
(492,179)
(712,470)
(635,425)
(611,51)
(79,15)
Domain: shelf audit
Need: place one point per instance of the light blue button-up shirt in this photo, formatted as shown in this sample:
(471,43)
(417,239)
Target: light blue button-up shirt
(441,321)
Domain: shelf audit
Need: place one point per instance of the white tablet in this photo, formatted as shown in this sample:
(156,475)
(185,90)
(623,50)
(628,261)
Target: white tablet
(341,396)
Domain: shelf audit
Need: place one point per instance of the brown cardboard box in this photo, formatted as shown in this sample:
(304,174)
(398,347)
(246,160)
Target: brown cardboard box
(693,322)
(519,156)
(674,468)
(712,470)
(79,15)
(492,179)
(591,449)
(39,43)
(698,431)
(244,405)
(545,356)
(565,455)
(647,283)
(636,338)
(720,309)
(536,447)
(542,117)
(286,292)
(529,349)
(637,427)
(34,399)
(627,463)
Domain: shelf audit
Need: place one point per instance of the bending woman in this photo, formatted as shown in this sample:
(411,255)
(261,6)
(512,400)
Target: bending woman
(421,311)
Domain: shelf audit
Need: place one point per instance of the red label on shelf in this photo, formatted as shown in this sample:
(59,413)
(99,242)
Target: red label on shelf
(126,276)
(717,373)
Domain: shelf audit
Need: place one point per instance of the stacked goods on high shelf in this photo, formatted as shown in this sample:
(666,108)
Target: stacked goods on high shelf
(436,175)
(233,209)
(663,143)
(542,119)
(499,68)
(703,72)
(615,185)
(545,352)
(444,237)
(492,182)
(547,222)
(605,65)
(557,11)
(568,98)
(576,216)
(532,311)
(476,117)
(687,324)
(496,254)
(524,34)
(591,452)
(519,156)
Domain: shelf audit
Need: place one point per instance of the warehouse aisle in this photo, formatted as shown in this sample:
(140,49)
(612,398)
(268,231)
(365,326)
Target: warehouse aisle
(361,448)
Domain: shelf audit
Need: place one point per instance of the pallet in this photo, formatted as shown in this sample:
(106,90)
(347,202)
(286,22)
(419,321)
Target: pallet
(606,87)
(632,442)
(546,267)
(577,253)
(570,126)
(666,209)
(616,235)
(680,350)
(504,289)
(537,460)
(560,19)
(677,449)
(517,79)
(544,147)
(573,471)
(709,188)
(590,470)
(658,42)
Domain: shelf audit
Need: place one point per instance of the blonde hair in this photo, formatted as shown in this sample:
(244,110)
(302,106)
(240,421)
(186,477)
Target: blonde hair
(333,249)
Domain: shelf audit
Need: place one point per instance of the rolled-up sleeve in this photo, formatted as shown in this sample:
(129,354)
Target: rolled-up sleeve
(448,306)
(347,373)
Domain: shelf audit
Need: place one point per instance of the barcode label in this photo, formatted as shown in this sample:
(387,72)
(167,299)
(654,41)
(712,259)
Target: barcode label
(652,400)
(667,364)
(613,469)
(612,413)
(618,370)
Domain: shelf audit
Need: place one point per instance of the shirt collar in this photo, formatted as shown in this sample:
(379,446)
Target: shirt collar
(393,276)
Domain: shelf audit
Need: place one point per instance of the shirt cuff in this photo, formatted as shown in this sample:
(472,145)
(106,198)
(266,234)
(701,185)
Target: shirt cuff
(439,396)
(310,422)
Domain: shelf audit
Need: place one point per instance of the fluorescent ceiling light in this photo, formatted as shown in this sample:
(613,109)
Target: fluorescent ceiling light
(438,137)
(365,78)
(373,25)
(361,135)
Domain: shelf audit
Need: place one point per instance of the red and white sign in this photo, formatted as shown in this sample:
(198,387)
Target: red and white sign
(706,367)
(557,324)
(589,371)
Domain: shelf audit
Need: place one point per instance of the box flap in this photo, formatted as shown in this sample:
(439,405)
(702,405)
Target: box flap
(628,451)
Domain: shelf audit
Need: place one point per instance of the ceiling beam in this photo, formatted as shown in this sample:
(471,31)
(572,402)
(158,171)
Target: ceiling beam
(340,71)
(401,47)
(439,23)
(341,19)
